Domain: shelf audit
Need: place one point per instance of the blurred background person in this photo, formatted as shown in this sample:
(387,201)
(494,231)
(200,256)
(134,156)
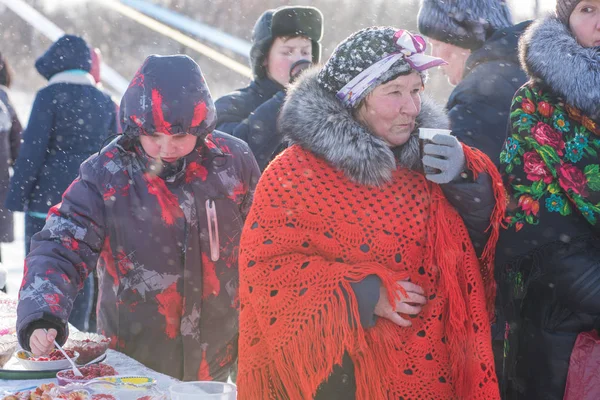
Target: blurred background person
(284,41)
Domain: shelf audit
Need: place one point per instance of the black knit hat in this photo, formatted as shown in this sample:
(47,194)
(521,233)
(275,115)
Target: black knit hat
(564,9)
(284,21)
(357,53)
(463,23)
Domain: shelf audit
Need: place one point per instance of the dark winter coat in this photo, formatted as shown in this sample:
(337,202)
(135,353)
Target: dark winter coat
(10,140)
(251,115)
(478,106)
(474,201)
(547,270)
(165,246)
(69,121)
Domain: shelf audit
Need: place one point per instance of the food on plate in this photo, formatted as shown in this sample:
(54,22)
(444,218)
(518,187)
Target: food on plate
(89,372)
(103,397)
(77,395)
(47,391)
(54,361)
(54,355)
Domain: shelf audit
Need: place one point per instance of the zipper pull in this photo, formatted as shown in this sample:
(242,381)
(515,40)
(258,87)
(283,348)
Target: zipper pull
(213,229)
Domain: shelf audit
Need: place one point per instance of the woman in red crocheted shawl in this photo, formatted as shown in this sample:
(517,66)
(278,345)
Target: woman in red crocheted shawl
(364,268)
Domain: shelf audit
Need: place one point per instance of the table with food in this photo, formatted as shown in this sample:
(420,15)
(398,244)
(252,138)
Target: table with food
(99,373)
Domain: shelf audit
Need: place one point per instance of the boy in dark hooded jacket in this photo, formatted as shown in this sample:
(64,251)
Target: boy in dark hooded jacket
(158,212)
(285,41)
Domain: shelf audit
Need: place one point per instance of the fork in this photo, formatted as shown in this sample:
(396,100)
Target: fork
(76,370)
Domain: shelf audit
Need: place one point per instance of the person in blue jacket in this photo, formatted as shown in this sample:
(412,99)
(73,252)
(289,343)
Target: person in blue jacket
(69,121)
(285,41)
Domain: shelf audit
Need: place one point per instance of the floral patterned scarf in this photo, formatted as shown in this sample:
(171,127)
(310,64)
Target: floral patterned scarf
(550,161)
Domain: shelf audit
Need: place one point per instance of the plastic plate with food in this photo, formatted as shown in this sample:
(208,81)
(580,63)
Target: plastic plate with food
(88,345)
(53,361)
(48,391)
(89,372)
(119,388)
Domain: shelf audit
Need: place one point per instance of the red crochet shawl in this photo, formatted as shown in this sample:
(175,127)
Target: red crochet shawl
(310,233)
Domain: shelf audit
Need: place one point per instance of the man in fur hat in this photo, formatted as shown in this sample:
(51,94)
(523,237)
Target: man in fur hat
(284,42)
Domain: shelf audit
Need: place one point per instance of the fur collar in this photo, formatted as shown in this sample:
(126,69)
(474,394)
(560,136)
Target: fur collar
(313,118)
(73,76)
(551,54)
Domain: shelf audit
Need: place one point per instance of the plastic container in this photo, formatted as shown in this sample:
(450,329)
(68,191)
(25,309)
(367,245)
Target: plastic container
(88,345)
(120,388)
(203,391)
(89,372)
(8,345)
(429,133)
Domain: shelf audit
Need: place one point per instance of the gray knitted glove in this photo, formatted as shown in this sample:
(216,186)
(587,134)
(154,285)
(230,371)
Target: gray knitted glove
(445,154)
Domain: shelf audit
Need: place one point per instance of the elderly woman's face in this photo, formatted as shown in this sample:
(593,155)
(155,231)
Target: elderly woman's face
(390,111)
(585,23)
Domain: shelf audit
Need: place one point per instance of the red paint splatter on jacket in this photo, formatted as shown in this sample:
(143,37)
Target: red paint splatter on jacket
(109,262)
(228,356)
(169,206)
(53,301)
(210,283)
(70,243)
(199,114)
(160,124)
(170,305)
(194,171)
(138,79)
(204,370)
(239,192)
(54,210)
(108,193)
(124,263)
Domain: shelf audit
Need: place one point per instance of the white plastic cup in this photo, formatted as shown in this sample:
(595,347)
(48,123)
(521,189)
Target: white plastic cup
(425,136)
(429,133)
(203,391)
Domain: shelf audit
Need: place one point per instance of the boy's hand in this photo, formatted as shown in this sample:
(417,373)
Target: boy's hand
(42,343)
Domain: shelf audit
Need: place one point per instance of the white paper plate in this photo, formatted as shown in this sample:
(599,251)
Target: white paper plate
(44,365)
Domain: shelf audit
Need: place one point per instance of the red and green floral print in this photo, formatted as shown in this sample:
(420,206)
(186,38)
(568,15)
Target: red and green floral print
(552,159)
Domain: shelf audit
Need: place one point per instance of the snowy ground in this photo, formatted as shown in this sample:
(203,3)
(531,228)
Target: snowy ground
(14,253)
(12,257)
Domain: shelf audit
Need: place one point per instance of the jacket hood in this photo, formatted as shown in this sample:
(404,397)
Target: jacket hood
(68,52)
(168,94)
(284,21)
(503,45)
(551,55)
(316,120)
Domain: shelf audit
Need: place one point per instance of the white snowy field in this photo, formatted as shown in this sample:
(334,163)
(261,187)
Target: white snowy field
(13,255)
